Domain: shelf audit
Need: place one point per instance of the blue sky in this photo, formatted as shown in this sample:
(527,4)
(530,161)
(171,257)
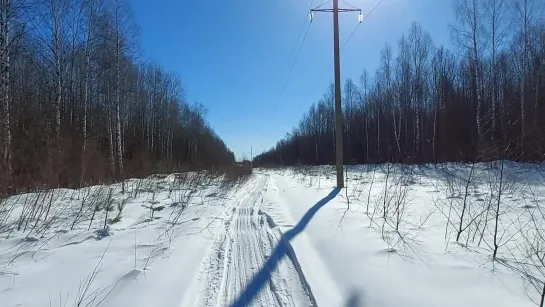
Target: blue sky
(234,55)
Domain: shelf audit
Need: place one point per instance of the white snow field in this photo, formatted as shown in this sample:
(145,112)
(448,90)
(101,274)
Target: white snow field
(283,237)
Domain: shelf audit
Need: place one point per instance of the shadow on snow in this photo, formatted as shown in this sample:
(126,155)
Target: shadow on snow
(280,251)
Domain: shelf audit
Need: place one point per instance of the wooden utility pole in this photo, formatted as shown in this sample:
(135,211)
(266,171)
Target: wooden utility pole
(338,107)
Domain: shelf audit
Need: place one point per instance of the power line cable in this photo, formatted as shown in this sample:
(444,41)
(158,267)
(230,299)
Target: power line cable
(296,55)
(322,4)
(371,11)
(331,63)
(348,4)
(301,31)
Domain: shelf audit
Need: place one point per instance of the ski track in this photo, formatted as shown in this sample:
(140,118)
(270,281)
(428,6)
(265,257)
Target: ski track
(239,252)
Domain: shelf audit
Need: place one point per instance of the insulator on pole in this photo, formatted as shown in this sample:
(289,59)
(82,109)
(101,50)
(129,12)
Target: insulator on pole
(360,17)
(311,16)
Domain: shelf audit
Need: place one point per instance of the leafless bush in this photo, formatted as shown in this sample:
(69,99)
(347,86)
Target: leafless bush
(534,253)
(465,205)
(459,203)
(234,175)
(84,199)
(304,174)
(383,199)
(120,206)
(484,213)
(400,200)
(5,213)
(369,192)
(504,218)
(36,214)
(392,206)
(97,203)
(31,208)
(155,251)
(108,206)
(137,187)
(386,197)
(186,186)
(527,257)
(87,296)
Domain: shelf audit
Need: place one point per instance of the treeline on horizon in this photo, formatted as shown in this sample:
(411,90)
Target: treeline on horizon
(484,100)
(79,106)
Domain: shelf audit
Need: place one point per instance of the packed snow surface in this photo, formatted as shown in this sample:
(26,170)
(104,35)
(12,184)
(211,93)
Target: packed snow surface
(284,237)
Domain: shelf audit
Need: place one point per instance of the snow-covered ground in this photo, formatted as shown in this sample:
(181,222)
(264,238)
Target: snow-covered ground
(281,238)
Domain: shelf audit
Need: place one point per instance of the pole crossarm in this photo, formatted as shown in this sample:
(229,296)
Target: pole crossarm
(335,10)
(340,10)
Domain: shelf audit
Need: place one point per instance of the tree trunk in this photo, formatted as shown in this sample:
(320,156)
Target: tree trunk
(417,132)
(524,69)
(464,206)
(378,135)
(58,80)
(119,153)
(522,109)
(475,72)
(367,138)
(4,70)
(85,104)
(542,300)
(494,42)
(497,217)
(434,153)
(396,135)
(111,143)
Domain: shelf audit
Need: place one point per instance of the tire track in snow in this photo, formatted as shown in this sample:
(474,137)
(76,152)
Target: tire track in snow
(242,250)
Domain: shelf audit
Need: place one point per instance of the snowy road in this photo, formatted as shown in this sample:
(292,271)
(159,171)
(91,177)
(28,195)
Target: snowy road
(249,238)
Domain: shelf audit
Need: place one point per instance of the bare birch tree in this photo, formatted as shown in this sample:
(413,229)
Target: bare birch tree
(4,89)
(468,34)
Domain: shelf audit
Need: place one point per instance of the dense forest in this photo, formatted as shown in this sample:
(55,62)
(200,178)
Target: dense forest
(79,104)
(483,100)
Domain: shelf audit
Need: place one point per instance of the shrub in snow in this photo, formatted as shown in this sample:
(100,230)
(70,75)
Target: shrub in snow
(102,233)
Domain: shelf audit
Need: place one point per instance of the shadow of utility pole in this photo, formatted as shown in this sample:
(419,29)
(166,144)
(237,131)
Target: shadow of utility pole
(280,251)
